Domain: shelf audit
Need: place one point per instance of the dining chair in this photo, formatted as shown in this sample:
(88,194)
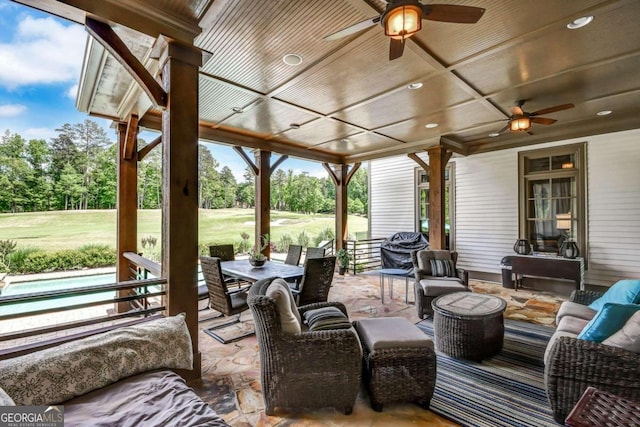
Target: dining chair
(314,253)
(293,255)
(316,281)
(221,299)
(224,252)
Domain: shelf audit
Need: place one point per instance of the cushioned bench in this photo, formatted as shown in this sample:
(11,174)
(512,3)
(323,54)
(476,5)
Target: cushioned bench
(399,361)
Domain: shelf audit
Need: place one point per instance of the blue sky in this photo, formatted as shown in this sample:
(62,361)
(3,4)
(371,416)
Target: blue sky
(40,63)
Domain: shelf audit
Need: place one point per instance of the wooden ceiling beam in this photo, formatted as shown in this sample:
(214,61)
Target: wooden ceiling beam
(131,138)
(105,35)
(153,120)
(142,153)
(133,14)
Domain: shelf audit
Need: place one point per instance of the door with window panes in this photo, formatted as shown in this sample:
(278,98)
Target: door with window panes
(422,201)
(552,208)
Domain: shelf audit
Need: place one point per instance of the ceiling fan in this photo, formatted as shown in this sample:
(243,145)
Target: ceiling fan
(520,120)
(402,18)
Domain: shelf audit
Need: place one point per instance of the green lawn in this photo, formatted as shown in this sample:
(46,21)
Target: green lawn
(72,229)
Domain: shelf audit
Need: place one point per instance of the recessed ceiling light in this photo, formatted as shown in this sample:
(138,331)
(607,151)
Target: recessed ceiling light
(494,134)
(413,86)
(292,59)
(294,126)
(580,22)
(238,110)
(431,125)
(604,112)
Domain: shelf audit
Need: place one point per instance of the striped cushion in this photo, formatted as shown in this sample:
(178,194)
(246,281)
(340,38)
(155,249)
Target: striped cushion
(322,319)
(442,268)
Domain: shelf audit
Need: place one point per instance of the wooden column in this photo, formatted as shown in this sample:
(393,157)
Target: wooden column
(263,197)
(341,175)
(179,64)
(438,158)
(127,209)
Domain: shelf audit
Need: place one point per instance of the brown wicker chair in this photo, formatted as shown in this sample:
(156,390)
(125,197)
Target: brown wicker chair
(428,287)
(221,299)
(316,281)
(574,364)
(312,369)
(293,255)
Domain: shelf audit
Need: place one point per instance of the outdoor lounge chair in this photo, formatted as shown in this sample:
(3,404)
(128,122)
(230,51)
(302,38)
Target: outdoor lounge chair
(431,284)
(307,369)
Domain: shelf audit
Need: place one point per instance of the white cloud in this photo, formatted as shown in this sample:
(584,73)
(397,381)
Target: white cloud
(42,51)
(73,91)
(39,133)
(12,110)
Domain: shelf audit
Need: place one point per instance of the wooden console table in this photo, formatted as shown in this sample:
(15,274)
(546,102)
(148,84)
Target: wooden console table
(548,267)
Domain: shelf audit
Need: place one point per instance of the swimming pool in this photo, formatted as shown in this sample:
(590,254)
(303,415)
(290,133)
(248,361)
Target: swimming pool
(54,285)
(58,284)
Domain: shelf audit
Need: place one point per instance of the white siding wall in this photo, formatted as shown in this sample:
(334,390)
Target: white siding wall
(392,197)
(614,207)
(486,209)
(486,205)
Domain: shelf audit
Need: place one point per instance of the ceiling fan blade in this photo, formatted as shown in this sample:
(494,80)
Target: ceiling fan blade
(353,29)
(516,111)
(396,47)
(452,13)
(543,120)
(552,109)
(503,129)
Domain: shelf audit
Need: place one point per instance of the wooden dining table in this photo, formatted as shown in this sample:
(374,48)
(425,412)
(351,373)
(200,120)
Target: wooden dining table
(242,269)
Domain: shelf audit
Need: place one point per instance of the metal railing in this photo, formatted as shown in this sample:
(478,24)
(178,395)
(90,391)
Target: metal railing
(144,296)
(364,254)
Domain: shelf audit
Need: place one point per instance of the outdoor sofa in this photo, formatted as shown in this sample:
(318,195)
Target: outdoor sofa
(121,377)
(581,355)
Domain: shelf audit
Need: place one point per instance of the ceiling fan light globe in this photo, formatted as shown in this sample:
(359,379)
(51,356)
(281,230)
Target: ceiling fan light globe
(520,124)
(402,22)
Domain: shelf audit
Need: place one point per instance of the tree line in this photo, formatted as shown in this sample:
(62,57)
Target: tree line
(77,170)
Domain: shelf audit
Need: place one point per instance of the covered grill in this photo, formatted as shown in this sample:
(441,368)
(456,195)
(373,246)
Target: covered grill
(395,252)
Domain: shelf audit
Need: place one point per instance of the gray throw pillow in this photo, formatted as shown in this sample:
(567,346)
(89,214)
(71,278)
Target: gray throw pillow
(289,317)
(325,318)
(442,268)
(629,336)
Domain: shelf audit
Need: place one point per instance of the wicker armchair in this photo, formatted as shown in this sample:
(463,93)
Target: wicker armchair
(316,281)
(574,364)
(306,370)
(428,287)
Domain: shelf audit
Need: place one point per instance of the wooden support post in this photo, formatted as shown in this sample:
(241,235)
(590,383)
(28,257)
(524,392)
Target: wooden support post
(262,170)
(438,158)
(341,175)
(179,64)
(127,212)
(263,197)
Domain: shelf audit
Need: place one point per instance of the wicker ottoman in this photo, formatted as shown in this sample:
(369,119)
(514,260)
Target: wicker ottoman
(468,325)
(399,361)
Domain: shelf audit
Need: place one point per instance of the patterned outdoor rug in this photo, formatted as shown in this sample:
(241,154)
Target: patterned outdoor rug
(504,390)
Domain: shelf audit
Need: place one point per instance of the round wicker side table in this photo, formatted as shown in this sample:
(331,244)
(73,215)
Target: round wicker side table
(468,325)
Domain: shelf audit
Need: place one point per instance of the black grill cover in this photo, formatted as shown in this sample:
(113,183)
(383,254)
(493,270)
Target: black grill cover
(395,252)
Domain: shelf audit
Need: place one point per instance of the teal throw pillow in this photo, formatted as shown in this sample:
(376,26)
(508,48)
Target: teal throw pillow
(622,292)
(609,320)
